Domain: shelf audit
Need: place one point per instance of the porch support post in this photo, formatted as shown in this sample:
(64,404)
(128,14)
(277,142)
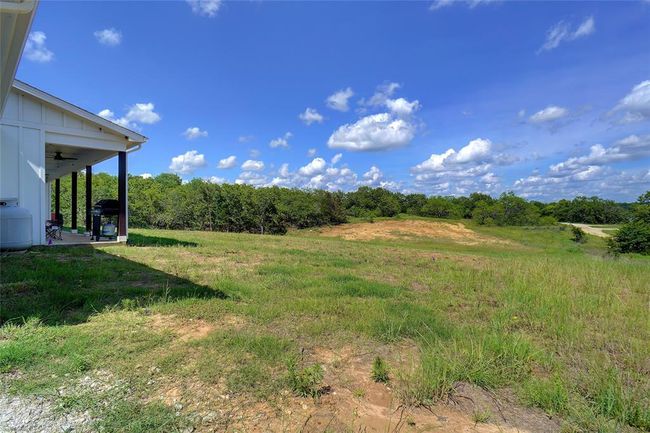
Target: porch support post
(57,197)
(122,197)
(89,197)
(73,210)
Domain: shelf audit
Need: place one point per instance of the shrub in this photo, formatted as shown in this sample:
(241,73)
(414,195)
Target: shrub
(632,237)
(379,370)
(305,382)
(579,235)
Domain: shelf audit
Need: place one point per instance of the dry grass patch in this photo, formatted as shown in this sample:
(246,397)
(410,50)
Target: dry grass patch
(396,229)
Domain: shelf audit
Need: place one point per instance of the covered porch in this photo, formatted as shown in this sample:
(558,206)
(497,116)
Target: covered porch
(62,161)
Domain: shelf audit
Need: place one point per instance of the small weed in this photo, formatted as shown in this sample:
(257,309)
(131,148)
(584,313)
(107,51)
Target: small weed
(359,393)
(306,381)
(379,370)
(481,416)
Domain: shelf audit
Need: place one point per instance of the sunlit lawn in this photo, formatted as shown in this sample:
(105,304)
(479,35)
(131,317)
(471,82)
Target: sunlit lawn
(566,326)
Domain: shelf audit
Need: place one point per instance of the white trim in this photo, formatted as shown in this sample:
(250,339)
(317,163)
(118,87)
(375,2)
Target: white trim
(122,238)
(132,136)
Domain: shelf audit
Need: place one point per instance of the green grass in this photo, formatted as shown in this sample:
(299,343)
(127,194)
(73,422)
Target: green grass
(564,325)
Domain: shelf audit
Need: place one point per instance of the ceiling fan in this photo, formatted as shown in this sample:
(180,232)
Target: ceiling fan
(59,157)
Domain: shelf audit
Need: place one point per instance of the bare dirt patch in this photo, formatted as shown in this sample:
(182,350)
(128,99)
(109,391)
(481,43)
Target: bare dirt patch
(352,402)
(395,229)
(193,329)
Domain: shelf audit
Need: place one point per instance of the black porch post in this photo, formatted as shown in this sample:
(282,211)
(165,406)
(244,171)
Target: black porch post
(57,198)
(73,211)
(89,198)
(122,197)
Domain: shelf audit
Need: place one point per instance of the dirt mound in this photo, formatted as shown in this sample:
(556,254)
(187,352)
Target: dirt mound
(395,229)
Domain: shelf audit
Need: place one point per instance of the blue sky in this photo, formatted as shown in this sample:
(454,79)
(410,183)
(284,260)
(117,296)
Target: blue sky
(548,99)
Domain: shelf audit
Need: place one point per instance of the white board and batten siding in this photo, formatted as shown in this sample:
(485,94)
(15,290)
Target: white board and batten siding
(27,124)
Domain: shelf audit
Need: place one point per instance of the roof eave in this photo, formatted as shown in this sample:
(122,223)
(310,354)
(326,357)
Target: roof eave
(130,135)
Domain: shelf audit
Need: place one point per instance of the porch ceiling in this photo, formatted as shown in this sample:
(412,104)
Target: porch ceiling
(83,156)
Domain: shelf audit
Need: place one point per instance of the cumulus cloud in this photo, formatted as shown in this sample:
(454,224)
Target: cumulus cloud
(630,148)
(382,93)
(562,32)
(336,158)
(402,107)
(251,178)
(592,173)
(140,113)
(375,132)
(110,37)
(311,152)
(316,166)
(35,49)
(194,132)
(146,175)
(439,4)
(281,141)
(339,99)
(188,162)
(310,115)
(635,106)
(206,8)
(549,114)
(477,150)
(228,162)
(252,165)
(215,180)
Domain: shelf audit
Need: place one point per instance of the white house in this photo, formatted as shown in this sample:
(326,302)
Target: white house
(43,138)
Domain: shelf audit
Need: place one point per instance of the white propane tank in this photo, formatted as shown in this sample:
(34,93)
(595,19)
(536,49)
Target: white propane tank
(15,226)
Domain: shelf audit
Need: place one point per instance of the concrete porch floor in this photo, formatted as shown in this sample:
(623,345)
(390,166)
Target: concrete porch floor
(68,238)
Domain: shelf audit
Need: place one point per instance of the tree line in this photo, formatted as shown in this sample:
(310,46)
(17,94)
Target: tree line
(164,201)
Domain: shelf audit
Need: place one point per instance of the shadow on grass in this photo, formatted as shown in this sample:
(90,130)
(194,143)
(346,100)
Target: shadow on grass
(67,285)
(138,240)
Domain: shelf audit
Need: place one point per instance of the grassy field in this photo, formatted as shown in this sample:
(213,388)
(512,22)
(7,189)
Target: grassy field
(219,331)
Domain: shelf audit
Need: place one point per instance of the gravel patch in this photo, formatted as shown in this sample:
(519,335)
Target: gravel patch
(38,415)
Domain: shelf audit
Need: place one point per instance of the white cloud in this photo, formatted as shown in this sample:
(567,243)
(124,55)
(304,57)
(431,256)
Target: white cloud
(35,49)
(339,100)
(336,158)
(281,141)
(110,37)
(439,4)
(146,175)
(476,151)
(635,106)
(592,173)
(245,138)
(207,8)
(549,114)
(251,178)
(310,115)
(562,31)
(252,165)
(630,148)
(382,94)
(215,180)
(311,152)
(194,132)
(228,162)
(187,163)
(375,132)
(316,166)
(402,107)
(140,113)
(284,170)
(254,153)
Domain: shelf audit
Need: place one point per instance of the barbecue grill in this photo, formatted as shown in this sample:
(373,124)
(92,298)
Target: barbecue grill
(104,212)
